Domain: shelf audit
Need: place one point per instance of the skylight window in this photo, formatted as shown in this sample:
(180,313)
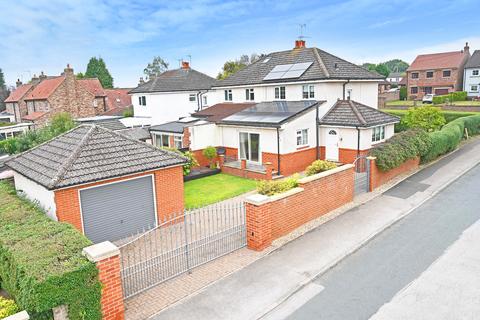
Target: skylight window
(266,60)
(288,71)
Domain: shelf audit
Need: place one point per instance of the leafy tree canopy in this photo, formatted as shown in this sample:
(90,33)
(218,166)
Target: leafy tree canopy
(426,117)
(232,66)
(385,68)
(2,80)
(80,75)
(155,68)
(96,68)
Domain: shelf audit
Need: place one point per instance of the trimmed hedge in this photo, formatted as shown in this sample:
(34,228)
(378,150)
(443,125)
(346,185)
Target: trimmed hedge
(318,166)
(41,265)
(448,138)
(272,187)
(401,147)
(454,96)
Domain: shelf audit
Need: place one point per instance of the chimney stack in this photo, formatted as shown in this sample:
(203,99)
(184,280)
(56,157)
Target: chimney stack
(141,81)
(68,70)
(466,49)
(42,76)
(185,65)
(299,44)
(34,78)
(18,83)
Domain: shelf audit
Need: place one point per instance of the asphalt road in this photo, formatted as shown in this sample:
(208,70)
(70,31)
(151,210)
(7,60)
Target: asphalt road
(359,285)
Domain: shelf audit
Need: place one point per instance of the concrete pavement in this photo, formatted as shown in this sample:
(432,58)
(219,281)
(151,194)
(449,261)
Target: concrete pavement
(257,289)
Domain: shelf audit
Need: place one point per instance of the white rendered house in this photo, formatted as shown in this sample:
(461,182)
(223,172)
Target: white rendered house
(471,80)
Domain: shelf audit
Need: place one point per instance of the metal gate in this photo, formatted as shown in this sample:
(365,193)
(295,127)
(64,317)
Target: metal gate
(362,175)
(180,243)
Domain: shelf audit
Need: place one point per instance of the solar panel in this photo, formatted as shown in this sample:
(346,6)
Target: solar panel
(286,71)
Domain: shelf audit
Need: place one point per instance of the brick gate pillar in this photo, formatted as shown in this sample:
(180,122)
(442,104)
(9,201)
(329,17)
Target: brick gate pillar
(372,173)
(106,256)
(259,222)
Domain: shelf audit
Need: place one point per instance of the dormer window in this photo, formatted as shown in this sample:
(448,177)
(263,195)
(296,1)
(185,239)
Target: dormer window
(266,60)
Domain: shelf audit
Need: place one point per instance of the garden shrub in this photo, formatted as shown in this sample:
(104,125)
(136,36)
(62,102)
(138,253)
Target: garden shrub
(271,187)
(8,307)
(210,153)
(401,147)
(318,166)
(448,138)
(41,262)
(403,93)
(191,161)
(451,97)
(426,117)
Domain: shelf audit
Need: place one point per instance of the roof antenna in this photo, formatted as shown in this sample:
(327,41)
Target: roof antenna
(189,58)
(303,29)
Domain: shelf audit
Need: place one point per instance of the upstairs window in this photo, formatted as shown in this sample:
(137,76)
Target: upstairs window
(475,72)
(302,137)
(249,95)
(446,73)
(162,140)
(178,142)
(280,93)
(228,95)
(429,74)
(308,91)
(378,133)
(192,97)
(414,75)
(142,101)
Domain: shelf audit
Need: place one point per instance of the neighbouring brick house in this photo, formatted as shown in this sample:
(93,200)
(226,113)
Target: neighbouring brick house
(118,100)
(437,73)
(105,184)
(44,96)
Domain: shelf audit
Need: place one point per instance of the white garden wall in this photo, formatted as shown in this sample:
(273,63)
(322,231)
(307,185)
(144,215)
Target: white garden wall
(37,193)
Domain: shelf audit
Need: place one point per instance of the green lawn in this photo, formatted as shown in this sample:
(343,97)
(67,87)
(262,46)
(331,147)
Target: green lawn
(467,103)
(208,190)
(400,103)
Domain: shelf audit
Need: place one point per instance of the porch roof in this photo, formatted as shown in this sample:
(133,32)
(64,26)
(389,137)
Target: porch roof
(270,114)
(349,113)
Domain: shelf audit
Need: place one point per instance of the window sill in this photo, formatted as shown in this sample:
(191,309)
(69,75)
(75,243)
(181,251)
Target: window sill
(303,147)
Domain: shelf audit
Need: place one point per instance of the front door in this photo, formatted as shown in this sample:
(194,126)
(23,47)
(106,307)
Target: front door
(331,147)
(250,146)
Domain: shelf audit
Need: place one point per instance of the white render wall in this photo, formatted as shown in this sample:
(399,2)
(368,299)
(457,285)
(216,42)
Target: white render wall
(365,92)
(288,134)
(36,193)
(470,80)
(167,106)
(348,136)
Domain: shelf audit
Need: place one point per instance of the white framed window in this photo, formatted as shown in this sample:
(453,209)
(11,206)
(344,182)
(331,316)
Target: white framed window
(378,133)
(142,101)
(280,93)
(162,140)
(192,97)
(228,95)
(178,142)
(308,91)
(249,95)
(474,88)
(475,72)
(302,137)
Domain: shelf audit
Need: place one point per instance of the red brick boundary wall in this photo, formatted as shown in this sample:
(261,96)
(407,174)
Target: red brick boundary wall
(379,177)
(106,256)
(269,218)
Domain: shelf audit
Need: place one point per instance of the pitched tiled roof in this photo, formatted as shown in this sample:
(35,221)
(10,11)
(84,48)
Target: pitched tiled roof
(177,80)
(220,111)
(474,61)
(324,66)
(118,98)
(93,86)
(438,61)
(136,133)
(33,116)
(45,88)
(89,153)
(18,93)
(353,114)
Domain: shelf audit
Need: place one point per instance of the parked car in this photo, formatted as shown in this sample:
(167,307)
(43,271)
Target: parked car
(428,98)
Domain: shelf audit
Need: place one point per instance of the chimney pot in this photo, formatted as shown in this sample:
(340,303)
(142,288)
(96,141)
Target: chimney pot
(466,49)
(185,65)
(299,44)
(18,83)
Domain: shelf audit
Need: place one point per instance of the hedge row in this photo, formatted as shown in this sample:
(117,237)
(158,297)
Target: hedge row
(454,96)
(401,147)
(41,265)
(448,138)
(449,116)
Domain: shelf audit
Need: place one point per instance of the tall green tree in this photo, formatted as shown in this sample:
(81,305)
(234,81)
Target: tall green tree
(396,65)
(382,69)
(4,92)
(155,68)
(232,66)
(2,80)
(97,68)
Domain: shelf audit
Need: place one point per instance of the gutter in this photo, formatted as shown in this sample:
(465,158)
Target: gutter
(344,85)
(278,150)
(358,141)
(317,129)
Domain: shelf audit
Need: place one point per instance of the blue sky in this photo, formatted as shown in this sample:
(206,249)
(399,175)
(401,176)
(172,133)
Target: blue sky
(47,34)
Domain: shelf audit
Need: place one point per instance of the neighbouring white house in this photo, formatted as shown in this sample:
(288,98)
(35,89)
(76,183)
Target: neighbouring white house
(288,135)
(395,77)
(300,74)
(171,95)
(471,81)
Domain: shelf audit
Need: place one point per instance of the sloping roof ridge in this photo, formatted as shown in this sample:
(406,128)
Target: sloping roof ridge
(439,53)
(357,113)
(67,164)
(375,109)
(320,61)
(53,89)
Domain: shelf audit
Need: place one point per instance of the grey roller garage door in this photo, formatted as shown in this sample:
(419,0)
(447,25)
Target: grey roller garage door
(118,210)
